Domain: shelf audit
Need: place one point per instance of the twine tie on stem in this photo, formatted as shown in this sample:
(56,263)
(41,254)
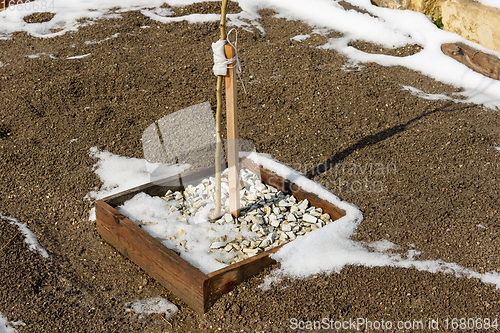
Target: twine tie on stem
(221,64)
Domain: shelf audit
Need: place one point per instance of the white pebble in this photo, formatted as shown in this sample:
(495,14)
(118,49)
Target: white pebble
(256,227)
(325,217)
(228,218)
(265,243)
(304,204)
(218,245)
(257,219)
(284,203)
(272,237)
(252,251)
(315,213)
(251,197)
(309,218)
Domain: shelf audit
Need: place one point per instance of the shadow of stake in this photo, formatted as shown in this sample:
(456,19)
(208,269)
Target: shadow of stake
(373,139)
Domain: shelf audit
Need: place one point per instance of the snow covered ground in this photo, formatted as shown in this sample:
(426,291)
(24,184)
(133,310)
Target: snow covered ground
(386,27)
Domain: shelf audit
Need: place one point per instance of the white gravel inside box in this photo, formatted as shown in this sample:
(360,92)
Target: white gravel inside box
(180,221)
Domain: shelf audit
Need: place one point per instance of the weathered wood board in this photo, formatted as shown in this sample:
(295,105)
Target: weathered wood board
(481,62)
(197,289)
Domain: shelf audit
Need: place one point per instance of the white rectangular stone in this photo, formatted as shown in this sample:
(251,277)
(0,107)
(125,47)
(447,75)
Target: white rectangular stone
(218,245)
(275,223)
(228,218)
(309,218)
(304,204)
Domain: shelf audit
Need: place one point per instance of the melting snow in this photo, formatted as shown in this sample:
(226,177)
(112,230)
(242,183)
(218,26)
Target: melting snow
(6,326)
(386,27)
(29,237)
(152,305)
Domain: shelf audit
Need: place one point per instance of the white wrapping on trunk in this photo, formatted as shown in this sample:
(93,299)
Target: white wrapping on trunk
(220,61)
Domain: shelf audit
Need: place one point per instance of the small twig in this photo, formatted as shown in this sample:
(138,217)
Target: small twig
(472,59)
(162,316)
(10,240)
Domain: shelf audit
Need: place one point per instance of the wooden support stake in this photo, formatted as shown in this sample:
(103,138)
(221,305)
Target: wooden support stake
(232,135)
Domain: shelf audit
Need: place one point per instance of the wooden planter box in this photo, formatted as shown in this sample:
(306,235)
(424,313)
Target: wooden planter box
(197,289)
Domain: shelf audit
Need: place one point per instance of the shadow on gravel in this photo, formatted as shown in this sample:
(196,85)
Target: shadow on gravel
(371,140)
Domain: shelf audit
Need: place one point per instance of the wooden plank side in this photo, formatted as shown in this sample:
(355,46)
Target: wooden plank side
(225,279)
(164,265)
(289,187)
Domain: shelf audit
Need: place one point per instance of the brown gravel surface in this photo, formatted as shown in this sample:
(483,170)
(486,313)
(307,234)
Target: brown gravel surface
(302,107)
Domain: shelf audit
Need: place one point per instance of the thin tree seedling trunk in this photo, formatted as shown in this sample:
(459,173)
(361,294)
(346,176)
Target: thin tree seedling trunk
(218,121)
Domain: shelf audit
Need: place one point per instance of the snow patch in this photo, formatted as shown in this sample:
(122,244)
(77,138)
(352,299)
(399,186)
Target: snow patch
(37,55)
(6,326)
(119,173)
(157,305)
(89,42)
(300,38)
(29,237)
(491,3)
(161,222)
(79,56)
(433,97)
(383,245)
